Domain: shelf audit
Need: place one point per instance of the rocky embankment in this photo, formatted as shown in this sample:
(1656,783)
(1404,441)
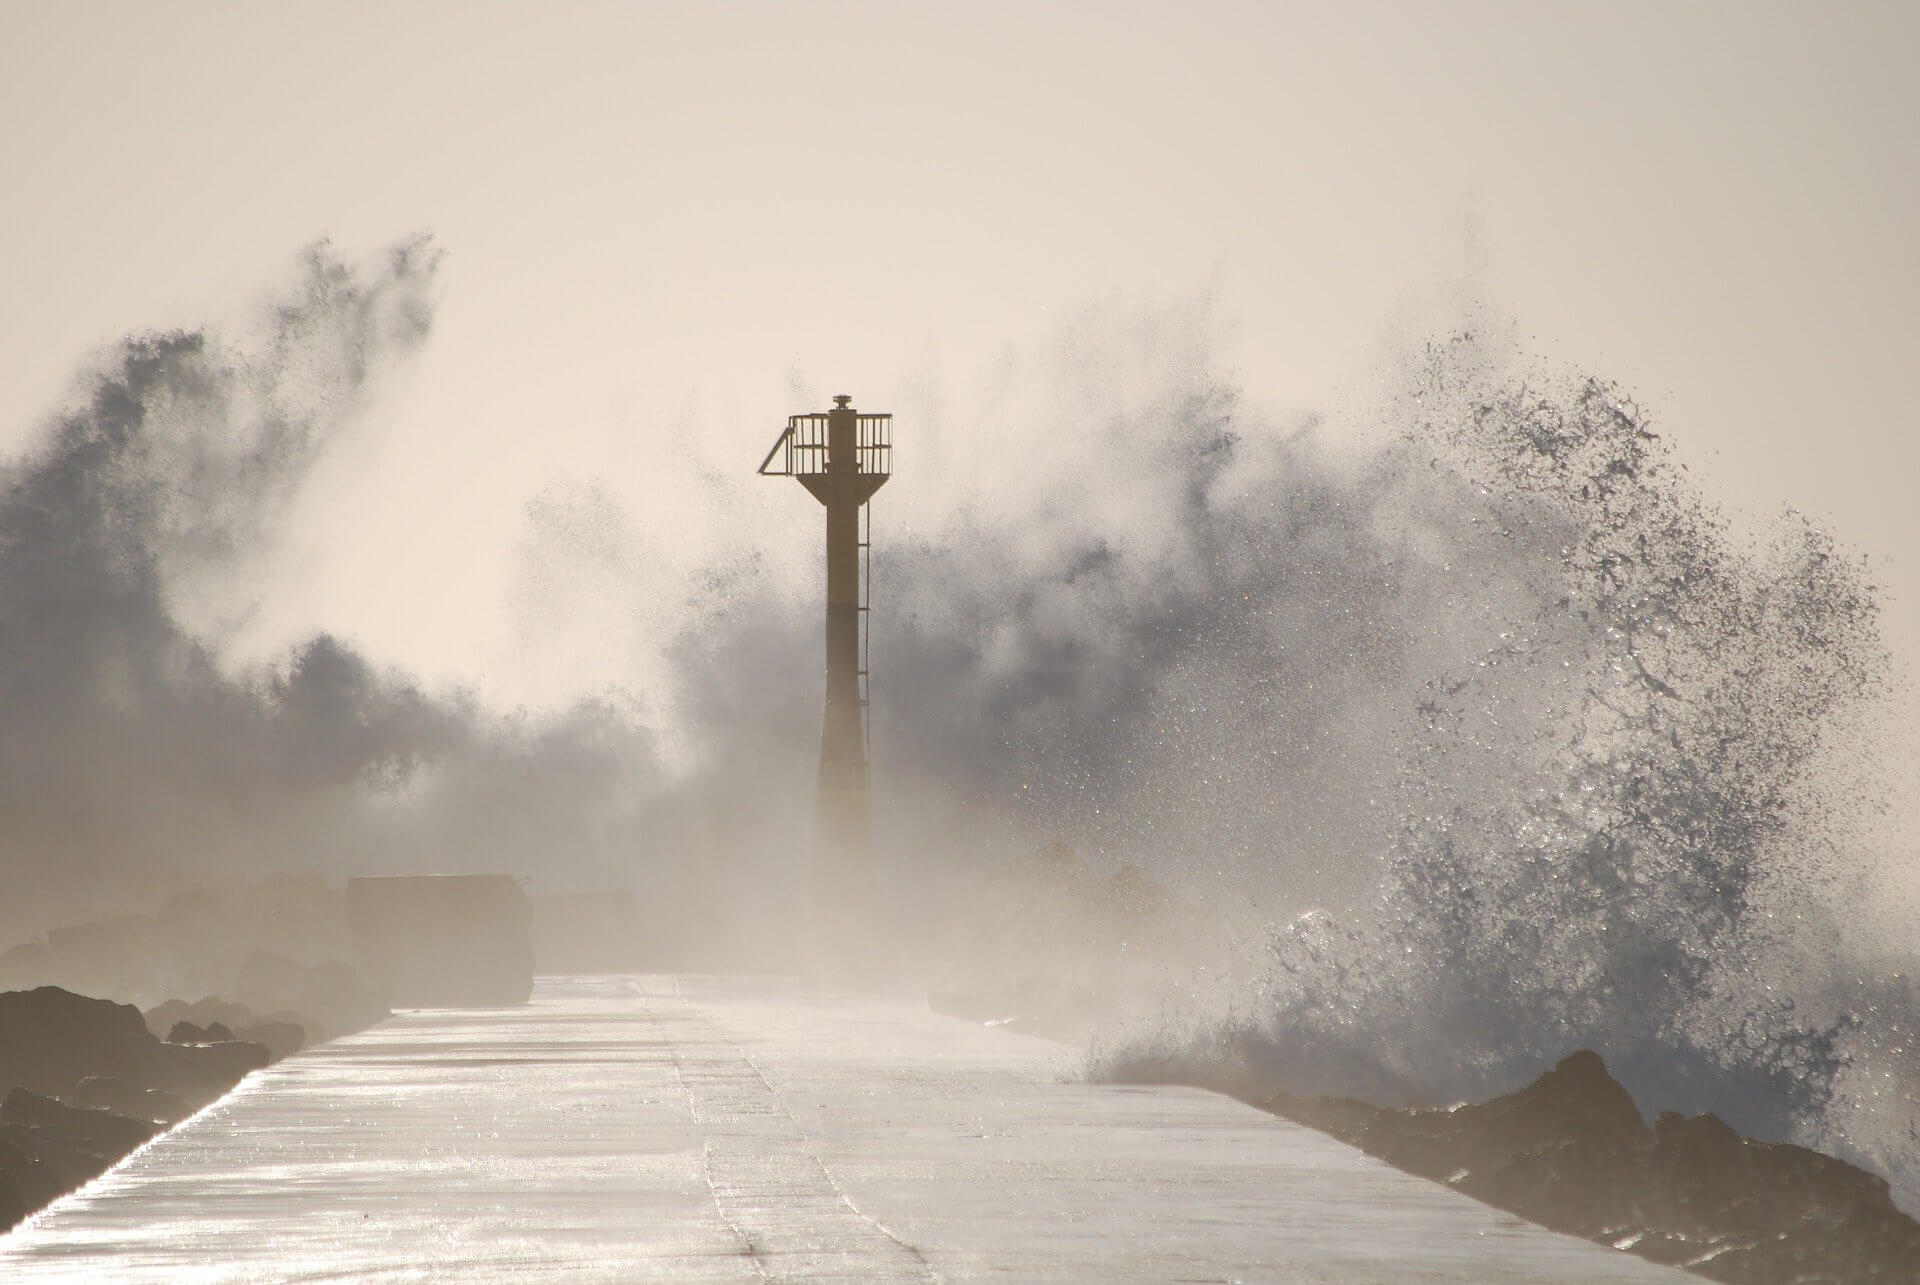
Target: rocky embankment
(1045,944)
(1571,1152)
(85,1081)
(234,939)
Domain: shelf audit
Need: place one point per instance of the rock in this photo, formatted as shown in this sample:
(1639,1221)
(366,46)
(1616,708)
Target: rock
(184,1032)
(52,1039)
(1700,1171)
(13,1206)
(106,1093)
(102,1132)
(282,1034)
(40,1163)
(1563,1151)
(1577,1101)
(330,998)
(280,1038)
(121,1083)
(162,1018)
(220,1065)
(1571,1152)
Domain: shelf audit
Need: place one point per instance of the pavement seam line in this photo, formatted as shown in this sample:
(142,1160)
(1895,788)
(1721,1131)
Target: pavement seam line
(748,1249)
(797,1135)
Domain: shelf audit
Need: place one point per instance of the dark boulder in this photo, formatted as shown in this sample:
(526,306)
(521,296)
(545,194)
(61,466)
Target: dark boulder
(119,1082)
(280,1038)
(41,1163)
(13,1206)
(1577,1101)
(1699,1170)
(1563,1151)
(102,1132)
(218,1066)
(1571,1152)
(48,1148)
(187,1033)
(283,1034)
(163,1018)
(51,1039)
(108,1093)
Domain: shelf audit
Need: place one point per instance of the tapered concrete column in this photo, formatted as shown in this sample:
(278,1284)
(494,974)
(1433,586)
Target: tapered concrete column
(843,858)
(832,459)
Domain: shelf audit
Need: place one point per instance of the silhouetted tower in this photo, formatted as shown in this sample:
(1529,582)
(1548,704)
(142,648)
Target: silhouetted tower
(843,457)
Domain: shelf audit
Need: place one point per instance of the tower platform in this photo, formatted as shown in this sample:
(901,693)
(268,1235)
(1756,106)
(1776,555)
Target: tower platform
(696,1128)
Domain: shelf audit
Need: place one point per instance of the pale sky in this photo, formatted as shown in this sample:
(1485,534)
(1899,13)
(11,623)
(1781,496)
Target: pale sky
(666,224)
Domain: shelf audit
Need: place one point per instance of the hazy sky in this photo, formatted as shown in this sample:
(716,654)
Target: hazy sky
(669,224)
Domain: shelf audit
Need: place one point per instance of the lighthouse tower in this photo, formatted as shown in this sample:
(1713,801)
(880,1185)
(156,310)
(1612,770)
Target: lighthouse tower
(842,457)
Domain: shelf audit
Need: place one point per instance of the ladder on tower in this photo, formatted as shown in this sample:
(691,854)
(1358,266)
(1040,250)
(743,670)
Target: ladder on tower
(866,628)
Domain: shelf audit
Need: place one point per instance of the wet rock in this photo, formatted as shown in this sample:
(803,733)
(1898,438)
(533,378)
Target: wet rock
(1571,1152)
(42,1163)
(101,1132)
(283,1034)
(48,1148)
(107,1093)
(52,1039)
(162,1018)
(281,1038)
(119,1083)
(184,1032)
(1701,1170)
(217,1065)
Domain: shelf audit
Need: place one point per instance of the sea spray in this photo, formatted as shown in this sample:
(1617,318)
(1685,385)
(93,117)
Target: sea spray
(1624,820)
(127,749)
(1502,694)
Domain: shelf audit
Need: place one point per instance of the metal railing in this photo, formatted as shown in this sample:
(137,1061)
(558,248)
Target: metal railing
(802,449)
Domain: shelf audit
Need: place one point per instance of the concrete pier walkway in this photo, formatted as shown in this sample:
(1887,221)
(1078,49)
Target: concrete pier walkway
(663,1128)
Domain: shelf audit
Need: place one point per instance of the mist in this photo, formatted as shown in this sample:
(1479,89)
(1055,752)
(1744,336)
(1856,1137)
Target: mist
(1366,663)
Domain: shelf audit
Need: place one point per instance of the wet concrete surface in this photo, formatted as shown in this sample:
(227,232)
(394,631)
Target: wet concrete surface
(702,1128)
